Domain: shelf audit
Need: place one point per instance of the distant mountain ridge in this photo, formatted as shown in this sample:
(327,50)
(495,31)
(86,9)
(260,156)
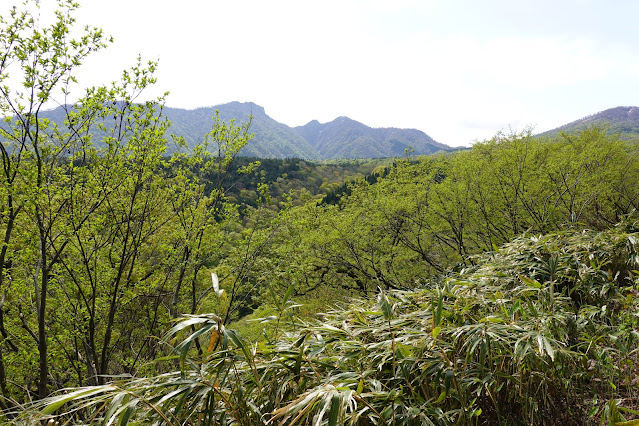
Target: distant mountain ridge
(340,138)
(621,120)
(346,138)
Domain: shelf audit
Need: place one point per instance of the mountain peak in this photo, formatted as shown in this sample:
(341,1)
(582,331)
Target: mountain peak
(346,138)
(249,108)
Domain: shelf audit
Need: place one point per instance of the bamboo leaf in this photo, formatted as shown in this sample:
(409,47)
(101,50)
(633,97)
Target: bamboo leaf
(288,294)
(436,332)
(385,305)
(628,423)
(335,409)
(191,320)
(220,293)
(438,310)
(529,282)
(214,335)
(216,282)
(448,380)
(59,401)
(549,349)
(232,334)
(127,413)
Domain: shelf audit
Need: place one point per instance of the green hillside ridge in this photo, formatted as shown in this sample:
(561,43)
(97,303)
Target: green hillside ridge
(341,138)
(271,140)
(621,120)
(346,138)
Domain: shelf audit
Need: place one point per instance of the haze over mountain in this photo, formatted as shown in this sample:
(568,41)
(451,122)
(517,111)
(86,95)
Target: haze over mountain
(621,120)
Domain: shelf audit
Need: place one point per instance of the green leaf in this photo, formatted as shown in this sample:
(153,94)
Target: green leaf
(529,282)
(191,320)
(628,410)
(448,380)
(288,294)
(438,311)
(628,423)
(232,334)
(264,320)
(436,332)
(298,361)
(127,413)
(549,349)
(58,401)
(335,409)
(385,305)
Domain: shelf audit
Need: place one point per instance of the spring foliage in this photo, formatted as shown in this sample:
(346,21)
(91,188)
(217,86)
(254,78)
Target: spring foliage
(541,331)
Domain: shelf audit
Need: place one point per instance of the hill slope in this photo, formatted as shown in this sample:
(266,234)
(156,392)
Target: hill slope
(272,139)
(622,120)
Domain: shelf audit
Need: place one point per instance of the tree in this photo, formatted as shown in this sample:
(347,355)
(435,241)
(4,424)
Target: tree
(37,65)
(105,239)
(89,207)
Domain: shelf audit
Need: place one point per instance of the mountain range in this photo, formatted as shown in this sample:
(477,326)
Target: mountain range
(344,138)
(340,138)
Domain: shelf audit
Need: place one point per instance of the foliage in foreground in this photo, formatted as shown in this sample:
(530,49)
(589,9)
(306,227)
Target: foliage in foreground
(542,331)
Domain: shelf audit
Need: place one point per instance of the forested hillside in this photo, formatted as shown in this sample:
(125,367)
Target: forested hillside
(622,121)
(341,138)
(495,285)
(290,181)
(346,138)
(271,139)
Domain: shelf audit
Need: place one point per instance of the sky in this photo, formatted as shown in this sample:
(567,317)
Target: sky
(459,70)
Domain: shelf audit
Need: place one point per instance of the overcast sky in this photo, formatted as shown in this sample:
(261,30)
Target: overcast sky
(459,70)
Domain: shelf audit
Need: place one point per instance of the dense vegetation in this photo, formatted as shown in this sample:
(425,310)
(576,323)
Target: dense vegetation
(496,285)
(542,331)
(619,121)
(291,181)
